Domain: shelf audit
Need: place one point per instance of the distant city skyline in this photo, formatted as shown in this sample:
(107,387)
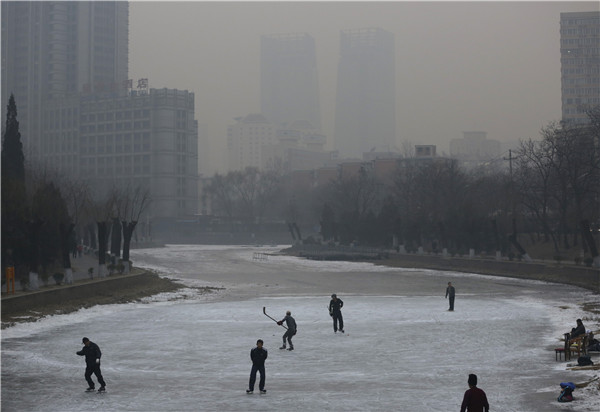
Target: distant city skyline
(491,66)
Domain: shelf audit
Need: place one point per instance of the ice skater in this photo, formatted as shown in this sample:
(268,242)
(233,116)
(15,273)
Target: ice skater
(291,329)
(335,311)
(258,356)
(92,354)
(474,399)
(450,292)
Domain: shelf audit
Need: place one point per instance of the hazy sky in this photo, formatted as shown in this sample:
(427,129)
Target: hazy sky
(461,66)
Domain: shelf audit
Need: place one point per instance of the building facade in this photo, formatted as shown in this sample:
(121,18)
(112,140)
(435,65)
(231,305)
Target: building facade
(53,50)
(365,111)
(246,139)
(147,140)
(289,88)
(579,64)
(475,148)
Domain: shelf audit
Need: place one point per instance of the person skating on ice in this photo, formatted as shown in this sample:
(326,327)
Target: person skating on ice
(450,292)
(291,329)
(335,311)
(92,354)
(258,356)
(474,399)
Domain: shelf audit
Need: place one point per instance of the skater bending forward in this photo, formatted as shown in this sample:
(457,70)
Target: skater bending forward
(335,311)
(258,356)
(92,354)
(291,329)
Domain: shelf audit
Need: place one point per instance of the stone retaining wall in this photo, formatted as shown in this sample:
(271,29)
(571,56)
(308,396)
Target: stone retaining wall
(23,301)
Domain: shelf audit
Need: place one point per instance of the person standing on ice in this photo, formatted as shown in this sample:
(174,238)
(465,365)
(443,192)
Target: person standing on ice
(450,292)
(258,356)
(92,354)
(335,311)
(474,399)
(291,329)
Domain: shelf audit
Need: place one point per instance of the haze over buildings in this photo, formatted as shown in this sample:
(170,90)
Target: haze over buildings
(490,66)
(365,104)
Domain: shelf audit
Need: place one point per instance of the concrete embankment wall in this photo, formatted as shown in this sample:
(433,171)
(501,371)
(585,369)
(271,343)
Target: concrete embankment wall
(104,287)
(582,276)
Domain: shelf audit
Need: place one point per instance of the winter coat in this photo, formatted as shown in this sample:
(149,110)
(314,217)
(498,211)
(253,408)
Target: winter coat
(258,356)
(335,306)
(91,353)
(290,322)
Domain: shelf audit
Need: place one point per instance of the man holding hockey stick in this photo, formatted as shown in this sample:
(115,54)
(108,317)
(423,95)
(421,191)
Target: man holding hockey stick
(335,311)
(291,329)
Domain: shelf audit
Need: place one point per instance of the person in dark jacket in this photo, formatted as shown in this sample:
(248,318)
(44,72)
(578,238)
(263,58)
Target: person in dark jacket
(92,354)
(450,295)
(291,329)
(258,356)
(335,311)
(475,399)
(579,330)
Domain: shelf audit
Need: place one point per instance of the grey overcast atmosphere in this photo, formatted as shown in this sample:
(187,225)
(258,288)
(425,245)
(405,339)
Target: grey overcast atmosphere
(461,66)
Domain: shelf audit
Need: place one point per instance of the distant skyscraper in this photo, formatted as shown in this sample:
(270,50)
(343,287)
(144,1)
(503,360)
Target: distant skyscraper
(56,49)
(288,79)
(365,111)
(246,140)
(580,64)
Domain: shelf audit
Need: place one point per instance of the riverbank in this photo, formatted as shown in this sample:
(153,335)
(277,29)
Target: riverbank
(29,306)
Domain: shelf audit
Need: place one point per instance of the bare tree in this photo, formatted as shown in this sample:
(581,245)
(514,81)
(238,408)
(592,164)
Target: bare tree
(134,203)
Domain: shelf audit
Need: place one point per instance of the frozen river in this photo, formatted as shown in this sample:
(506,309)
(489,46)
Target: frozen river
(402,350)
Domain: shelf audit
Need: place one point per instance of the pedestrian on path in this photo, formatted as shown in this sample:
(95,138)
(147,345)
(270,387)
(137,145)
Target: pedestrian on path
(450,292)
(291,329)
(259,356)
(335,311)
(92,354)
(474,399)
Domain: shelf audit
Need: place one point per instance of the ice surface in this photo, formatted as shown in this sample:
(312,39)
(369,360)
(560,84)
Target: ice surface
(402,350)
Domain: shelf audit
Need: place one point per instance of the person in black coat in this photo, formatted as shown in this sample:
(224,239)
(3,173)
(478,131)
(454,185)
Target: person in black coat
(258,356)
(579,330)
(291,329)
(450,292)
(335,311)
(92,354)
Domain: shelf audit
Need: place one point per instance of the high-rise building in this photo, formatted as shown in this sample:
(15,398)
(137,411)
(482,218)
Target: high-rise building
(365,110)
(288,79)
(579,64)
(246,140)
(56,49)
(66,62)
(147,140)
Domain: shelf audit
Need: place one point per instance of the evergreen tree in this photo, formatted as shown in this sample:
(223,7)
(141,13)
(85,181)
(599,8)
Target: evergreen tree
(14,204)
(13,159)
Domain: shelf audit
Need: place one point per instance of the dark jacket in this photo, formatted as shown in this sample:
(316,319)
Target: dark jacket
(450,291)
(258,356)
(475,401)
(335,306)
(290,322)
(579,330)
(91,353)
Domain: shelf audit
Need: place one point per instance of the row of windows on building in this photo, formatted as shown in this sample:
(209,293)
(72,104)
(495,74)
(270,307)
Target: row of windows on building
(581,70)
(575,110)
(590,61)
(581,51)
(580,31)
(582,22)
(580,91)
(579,100)
(108,127)
(115,165)
(119,143)
(125,115)
(581,81)
(580,41)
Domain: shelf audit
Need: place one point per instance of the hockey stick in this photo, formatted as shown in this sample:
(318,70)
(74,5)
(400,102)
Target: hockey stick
(274,320)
